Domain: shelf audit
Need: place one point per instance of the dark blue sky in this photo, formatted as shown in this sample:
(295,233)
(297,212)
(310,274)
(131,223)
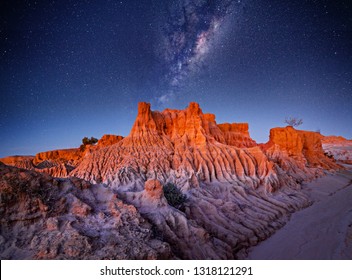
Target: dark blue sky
(70,69)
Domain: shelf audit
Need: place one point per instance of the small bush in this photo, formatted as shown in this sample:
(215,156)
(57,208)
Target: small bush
(89,141)
(173,195)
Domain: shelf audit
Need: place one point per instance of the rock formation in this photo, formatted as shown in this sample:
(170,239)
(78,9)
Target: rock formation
(334,140)
(298,153)
(215,169)
(108,140)
(184,146)
(59,163)
(187,147)
(218,221)
(236,134)
(238,192)
(19,161)
(70,156)
(338,148)
(46,218)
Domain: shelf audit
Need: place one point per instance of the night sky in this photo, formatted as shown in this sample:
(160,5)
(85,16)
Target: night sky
(70,69)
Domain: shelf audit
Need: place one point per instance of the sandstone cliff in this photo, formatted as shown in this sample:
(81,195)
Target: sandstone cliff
(59,163)
(187,147)
(236,134)
(298,153)
(61,156)
(183,146)
(108,140)
(235,196)
(238,193)
(19,161)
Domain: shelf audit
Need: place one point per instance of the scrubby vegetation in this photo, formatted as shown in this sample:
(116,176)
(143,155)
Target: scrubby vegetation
(173,195)
(88,141)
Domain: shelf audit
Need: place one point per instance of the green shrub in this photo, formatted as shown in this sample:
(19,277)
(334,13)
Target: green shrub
(89,141)
(173,195)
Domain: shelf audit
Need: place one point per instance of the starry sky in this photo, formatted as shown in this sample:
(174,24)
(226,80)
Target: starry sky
(70,69)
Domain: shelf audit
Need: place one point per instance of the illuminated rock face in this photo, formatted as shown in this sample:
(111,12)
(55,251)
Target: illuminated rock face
(299,153)
(25,162)
(236,134)
(236,196)
(108,140)
(188,147)
(59,163)
(335,140)
(65,155)
(238,192)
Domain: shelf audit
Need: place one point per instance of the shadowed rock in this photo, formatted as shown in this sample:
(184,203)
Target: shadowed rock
(338,147)
(46,218)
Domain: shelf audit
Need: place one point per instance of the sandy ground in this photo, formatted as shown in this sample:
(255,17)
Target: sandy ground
(321,231)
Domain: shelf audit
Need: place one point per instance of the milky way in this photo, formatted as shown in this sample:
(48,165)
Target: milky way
(70,69)
(192,30)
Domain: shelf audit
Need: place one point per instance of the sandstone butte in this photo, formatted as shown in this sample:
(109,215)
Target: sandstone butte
(238,192)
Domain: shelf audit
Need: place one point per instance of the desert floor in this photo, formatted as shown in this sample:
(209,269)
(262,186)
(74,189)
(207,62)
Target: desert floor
(321,231)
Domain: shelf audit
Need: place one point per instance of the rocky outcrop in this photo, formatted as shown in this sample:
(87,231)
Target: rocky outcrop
(181,146)
(217,221)
(238,193)
(236,196)
(335,140)
(338,147)
(187,147)
(46,218)
(71,156)
(313,151)
(19,161)
(154,190)
(236,134)
(108,140)
(58,170)
(59,163)
(298,153)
